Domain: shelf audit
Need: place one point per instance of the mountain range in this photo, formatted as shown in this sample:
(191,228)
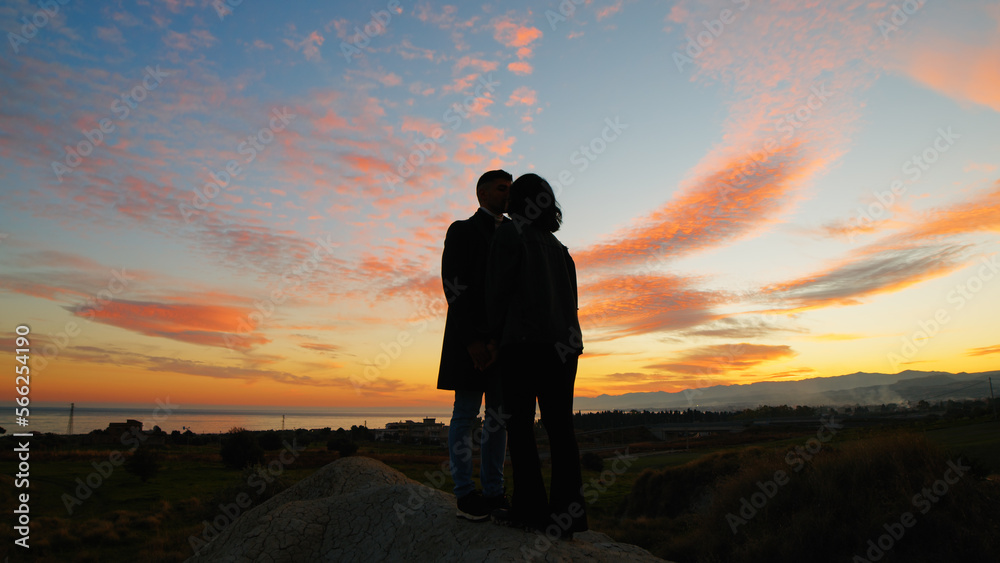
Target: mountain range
(852,389)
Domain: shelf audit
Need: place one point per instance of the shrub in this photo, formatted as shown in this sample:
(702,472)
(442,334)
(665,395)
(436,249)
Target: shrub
(240,449)
(272,440)
(343,446)
(841,498)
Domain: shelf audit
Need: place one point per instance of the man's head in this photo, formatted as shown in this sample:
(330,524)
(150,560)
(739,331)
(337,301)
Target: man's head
(492,190)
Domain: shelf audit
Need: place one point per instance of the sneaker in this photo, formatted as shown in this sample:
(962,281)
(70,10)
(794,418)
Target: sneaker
(472,507)
(496,503)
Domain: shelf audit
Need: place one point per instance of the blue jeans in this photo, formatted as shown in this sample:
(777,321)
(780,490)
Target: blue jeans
(492,447)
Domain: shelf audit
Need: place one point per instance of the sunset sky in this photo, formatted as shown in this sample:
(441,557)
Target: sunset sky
(246,204)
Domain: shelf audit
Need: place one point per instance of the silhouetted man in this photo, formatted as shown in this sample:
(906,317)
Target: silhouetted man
(467,358)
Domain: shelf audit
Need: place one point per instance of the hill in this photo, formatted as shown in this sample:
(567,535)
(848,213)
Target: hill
(855,388)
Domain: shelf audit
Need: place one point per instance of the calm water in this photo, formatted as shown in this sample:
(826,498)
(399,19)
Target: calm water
(213,419)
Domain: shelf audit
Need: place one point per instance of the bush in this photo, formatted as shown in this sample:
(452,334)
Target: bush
(842,498)
(342,446)
(240,449)
(144,463)
(273,440)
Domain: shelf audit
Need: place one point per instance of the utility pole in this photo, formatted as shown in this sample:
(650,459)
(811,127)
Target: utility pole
(993,400)
(69,430)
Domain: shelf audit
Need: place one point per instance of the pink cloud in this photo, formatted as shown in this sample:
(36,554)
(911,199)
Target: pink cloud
(520,67)
(478,65)
(511,33)
(524,96)
(196,39)
(932,59)
(308,46)
(609,11)
(494,139)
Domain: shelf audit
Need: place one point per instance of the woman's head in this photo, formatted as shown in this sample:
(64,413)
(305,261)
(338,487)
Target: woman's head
(532,199)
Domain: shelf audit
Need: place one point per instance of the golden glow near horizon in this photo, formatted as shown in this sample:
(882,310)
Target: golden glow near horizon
(247,206)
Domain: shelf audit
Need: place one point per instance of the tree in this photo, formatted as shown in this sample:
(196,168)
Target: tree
(240,449)
(343,446)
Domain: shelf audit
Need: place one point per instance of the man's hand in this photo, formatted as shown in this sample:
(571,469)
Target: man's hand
(494,350)
(481,356)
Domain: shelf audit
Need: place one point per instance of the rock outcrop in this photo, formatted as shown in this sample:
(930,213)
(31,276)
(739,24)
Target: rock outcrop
(359,509)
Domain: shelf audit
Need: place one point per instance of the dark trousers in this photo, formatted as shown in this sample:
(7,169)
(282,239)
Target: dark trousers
(530,372)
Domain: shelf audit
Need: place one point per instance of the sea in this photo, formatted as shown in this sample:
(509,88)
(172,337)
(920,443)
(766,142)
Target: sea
(211,419)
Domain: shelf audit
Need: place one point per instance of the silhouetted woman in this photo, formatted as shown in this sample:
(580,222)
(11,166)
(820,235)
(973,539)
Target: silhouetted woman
(531,303)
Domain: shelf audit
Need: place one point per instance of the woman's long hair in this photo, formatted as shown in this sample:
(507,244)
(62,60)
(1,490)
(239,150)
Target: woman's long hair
(532,198)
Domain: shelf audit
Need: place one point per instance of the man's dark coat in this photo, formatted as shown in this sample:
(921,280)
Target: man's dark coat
(463,273)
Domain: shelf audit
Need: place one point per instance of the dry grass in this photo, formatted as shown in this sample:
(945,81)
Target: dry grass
(828,511)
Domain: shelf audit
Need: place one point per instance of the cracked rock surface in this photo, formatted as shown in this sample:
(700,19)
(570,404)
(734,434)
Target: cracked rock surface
(359,509)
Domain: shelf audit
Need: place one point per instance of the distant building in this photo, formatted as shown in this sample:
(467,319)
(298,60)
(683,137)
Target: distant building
(428,432)
(113,434)
(119,428)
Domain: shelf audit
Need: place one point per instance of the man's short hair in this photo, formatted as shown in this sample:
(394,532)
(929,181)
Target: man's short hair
(493,175)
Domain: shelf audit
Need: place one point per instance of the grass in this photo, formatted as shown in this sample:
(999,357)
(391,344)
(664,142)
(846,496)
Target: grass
(976,440)
(705,511)
(674,504)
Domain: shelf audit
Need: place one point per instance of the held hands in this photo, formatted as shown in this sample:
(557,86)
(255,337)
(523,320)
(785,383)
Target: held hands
(494,350)
(483,355)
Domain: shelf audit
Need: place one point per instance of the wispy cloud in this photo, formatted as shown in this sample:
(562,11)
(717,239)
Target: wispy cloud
(864,276)
(739,197)
(983,351)
(723,358)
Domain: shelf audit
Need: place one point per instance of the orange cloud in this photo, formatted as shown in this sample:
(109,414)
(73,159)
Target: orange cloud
(739,196)
(981,213)
(956,67)
(984,351)
(634,382)
(627,304)
(911,255)
(208,325)
(513,34)
(722,358)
